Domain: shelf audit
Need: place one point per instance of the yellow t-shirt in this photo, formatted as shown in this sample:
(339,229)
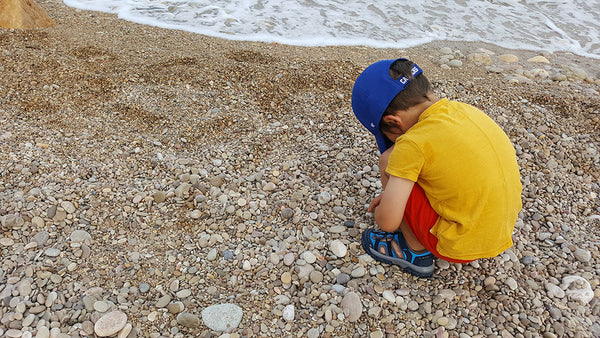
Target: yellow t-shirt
(468,169)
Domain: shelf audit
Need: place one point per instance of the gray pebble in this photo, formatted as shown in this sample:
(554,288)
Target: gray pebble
(228,254)
(582,255)
(188,320)
(342,278)
(52,252)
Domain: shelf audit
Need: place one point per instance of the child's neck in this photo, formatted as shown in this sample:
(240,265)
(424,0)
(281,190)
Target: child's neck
(412,114)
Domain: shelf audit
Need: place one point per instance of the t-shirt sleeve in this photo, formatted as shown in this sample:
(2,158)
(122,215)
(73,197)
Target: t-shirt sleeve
(406,160)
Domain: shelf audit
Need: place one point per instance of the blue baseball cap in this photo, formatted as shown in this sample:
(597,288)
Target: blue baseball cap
(373,91)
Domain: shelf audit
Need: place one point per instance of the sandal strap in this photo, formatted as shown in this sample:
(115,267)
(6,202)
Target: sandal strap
(384,239)
(407,252)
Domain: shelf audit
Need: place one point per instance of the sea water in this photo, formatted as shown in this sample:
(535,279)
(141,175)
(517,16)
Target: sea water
(550,25)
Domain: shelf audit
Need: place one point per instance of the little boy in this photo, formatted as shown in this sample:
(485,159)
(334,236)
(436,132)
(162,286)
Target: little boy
(450,176)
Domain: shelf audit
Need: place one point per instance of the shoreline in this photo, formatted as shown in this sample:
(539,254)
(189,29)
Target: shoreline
(153,174)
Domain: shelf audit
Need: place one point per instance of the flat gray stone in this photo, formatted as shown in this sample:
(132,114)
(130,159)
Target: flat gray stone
(80,236)
(41,238)
(352,306)
(222,317)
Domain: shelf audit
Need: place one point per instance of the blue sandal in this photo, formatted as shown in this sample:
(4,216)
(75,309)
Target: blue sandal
(397,252)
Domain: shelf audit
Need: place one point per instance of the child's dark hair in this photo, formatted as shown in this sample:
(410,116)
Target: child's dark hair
(416,92)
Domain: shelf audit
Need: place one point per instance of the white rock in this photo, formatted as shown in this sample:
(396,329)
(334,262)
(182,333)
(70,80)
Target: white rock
(6,241)
(43,332)
(577,289)
(455,63)
(212,254)
(389,296)
(222,317)
(110,324)
(338,248)
(582,255)
(511,283)
(52,252)
(289,313)
(270,186)
(324,197)
(309,257)
(68,206)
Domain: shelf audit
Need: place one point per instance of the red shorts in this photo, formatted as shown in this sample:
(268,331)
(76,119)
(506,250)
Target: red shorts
(420,217)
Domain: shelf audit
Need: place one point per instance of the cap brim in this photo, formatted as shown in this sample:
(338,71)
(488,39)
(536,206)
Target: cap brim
(383,143)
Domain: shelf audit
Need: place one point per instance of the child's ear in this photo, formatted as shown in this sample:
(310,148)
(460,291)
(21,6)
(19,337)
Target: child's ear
(393,119)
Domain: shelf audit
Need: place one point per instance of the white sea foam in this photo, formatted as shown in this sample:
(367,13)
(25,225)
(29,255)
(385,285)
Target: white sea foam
(551,25)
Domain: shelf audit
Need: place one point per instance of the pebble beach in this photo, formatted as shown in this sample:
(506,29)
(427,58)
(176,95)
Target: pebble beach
(160,183)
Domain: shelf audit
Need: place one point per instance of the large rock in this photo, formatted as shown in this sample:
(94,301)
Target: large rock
(23,14)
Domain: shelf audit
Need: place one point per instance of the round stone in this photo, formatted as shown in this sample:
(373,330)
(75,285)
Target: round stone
(13,333)
(324,197)
(309,257)
(287,213)
(110,324)
(338,248)
(159,197)
(228,254)
(80,236)
(358,272)
(144,287)
(175,307)
(195,214)
(222,317)
(212,254)
(274,258)
(413,306)
(101,306)
(68,206)
(286,278)
(316,276)
(313,333)
(342,278)
(188,320)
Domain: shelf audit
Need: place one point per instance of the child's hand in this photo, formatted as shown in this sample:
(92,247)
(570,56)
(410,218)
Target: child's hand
(374,203)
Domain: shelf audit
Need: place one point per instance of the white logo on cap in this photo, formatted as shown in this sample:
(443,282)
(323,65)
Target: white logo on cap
(372,125)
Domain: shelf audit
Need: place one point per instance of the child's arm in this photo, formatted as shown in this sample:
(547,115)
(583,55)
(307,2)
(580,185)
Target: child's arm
(389,206)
